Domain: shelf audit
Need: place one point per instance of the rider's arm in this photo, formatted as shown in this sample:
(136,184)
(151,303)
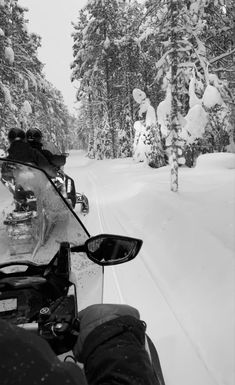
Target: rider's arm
(56,160)
(43,163)
(111,345)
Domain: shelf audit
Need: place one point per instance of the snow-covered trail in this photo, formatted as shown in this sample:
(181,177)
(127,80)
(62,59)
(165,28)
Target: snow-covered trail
(182,280)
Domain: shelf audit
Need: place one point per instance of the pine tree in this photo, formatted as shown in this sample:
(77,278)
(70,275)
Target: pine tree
(106,64)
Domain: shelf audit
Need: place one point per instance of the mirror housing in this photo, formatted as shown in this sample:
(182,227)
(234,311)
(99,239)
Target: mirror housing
(109,249)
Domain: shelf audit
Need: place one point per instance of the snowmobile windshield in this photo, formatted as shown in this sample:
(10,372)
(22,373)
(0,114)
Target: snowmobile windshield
(34,218)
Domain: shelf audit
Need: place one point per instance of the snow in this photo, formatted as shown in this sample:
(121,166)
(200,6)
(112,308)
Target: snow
(26,108)
(106,43)
(196,120)
(138,95)
(183,279)
(216,161)
(193,99)
(211,97)
(150,116)
(9,55)
(193,125)
(144,105)
(142,145)
(148,31)
(7,94)
(163,112)
(140,148)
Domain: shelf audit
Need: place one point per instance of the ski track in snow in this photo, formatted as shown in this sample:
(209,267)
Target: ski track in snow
(139,283)
(101,220)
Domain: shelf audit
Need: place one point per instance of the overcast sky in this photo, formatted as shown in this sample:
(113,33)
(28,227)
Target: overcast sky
(51,19)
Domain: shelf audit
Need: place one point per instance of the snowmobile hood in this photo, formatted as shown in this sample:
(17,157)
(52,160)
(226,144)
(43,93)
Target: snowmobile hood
(34,217)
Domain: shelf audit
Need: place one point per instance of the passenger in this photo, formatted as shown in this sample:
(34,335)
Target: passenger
(20,150)
(34,138)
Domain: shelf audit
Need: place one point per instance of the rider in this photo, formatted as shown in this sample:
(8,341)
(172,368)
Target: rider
(20,150)
(111,345)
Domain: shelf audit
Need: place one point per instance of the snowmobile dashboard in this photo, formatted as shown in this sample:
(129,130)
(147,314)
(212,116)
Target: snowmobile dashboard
(41,299)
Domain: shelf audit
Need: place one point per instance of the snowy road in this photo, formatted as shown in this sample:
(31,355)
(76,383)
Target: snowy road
(183,279)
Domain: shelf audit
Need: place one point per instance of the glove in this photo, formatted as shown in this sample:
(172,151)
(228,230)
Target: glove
(95,315)
(111,346)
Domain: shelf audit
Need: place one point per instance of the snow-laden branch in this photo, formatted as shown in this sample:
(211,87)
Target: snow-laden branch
(160,62)
(224,69)
(220,57)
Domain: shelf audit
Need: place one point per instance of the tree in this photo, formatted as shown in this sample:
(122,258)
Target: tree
(27,99)
(106,65)
(157,47)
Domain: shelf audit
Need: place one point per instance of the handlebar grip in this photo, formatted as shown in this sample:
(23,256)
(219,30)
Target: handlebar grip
(32,327)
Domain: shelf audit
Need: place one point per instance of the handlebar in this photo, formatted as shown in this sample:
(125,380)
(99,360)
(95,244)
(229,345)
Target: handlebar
(61,335)
(32,327)
(56,329)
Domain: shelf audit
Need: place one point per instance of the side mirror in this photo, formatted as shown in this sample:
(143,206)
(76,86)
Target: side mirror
(108,249)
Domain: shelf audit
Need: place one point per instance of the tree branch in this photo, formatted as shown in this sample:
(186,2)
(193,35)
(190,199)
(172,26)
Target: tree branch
(220,57)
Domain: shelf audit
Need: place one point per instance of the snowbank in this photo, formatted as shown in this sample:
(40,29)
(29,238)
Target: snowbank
(216,161)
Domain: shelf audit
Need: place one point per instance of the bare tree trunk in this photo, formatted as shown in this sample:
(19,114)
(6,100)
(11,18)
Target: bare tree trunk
(174,97)
(110,112)
(91,143)
(130,111)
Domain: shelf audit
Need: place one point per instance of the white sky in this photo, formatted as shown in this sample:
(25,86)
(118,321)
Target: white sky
(51,19)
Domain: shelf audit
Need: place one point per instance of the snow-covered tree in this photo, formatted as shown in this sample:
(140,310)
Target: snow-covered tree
(106,65)
(206,126)
(93,64)
(183,52)
(147,142)
(26,98)
(121,45)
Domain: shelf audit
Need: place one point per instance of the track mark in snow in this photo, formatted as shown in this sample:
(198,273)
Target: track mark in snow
(91,178)
(100,215)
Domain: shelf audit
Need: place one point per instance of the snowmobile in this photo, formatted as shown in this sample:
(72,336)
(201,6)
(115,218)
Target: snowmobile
(50,266)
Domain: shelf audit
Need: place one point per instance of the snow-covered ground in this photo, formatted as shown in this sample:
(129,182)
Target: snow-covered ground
(183,279)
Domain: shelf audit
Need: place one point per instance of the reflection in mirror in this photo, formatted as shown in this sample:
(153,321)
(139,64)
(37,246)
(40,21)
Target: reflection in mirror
(112,249)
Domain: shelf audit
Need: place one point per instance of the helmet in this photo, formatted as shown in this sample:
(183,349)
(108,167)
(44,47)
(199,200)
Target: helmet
(34,134)
(16,133)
